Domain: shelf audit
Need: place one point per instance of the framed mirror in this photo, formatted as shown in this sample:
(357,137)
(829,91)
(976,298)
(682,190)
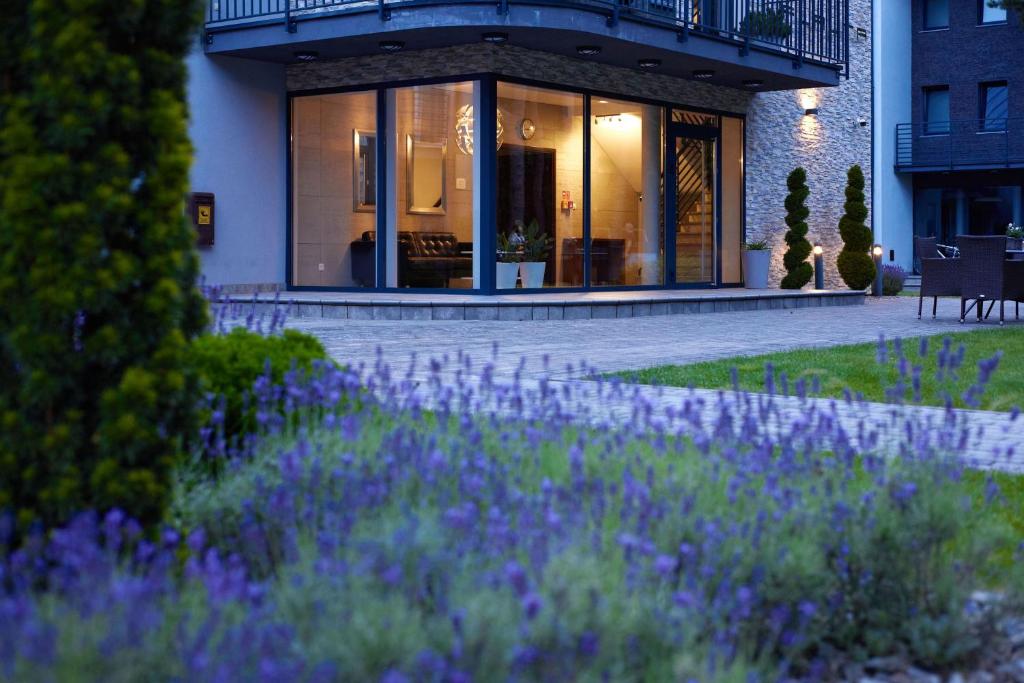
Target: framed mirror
(425,176)
(364,171)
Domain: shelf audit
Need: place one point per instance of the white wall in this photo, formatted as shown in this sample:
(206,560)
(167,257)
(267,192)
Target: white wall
(894,195)
(238,129)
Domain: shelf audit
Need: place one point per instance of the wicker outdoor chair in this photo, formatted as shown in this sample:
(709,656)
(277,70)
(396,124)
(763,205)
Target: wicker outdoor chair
(983,275)
(940,276)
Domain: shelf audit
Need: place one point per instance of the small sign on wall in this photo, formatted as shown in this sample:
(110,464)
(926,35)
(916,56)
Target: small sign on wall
(201,211)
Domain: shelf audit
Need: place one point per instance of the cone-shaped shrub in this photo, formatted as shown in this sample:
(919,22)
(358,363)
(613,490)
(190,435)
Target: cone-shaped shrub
(798,270)
(97,263)
(854,262)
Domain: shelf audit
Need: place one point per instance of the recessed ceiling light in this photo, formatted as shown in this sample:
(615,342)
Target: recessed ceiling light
(703,74)
(602,101)
(306,56)
(496,37)
(648,63)
(391,45)
(753,83)
(588,50)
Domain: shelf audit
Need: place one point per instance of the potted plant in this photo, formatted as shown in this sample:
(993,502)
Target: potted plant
(757,256)
(769,24)
(1015,237)
(509,256)
(536,246)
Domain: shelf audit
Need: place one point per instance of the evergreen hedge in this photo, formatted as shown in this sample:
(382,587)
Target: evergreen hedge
(798,270)
(97,263)
(854,262)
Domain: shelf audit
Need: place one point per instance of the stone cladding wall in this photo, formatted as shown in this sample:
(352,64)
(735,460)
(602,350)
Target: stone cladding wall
(509,60)
(780,138)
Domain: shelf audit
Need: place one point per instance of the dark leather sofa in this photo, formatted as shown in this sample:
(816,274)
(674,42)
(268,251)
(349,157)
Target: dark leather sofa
(425,259)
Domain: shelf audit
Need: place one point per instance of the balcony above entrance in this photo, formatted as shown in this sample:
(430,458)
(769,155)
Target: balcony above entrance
(750,44)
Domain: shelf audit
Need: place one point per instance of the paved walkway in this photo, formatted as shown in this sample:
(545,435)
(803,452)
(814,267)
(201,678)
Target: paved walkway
(539,355)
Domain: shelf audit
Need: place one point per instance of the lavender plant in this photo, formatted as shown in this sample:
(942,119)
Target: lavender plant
(452,527)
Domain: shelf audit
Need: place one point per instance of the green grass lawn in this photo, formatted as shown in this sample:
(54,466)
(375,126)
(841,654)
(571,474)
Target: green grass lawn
(856,368)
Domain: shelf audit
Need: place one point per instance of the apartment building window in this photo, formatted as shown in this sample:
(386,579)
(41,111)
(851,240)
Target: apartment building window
(994,106)
(936,14)
(990,15)
(936,110)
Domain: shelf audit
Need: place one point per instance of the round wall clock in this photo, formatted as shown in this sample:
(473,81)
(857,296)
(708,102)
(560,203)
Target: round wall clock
(527,128)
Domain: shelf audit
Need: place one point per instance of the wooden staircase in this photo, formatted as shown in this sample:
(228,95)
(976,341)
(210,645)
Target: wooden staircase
(695,225)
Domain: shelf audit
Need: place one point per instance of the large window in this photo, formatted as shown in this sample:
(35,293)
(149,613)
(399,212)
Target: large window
(990,15)
(936,110)
(936,14)
(992,98)
(732,199)
(333,185)
(431,226)
(626,207)
(539,191)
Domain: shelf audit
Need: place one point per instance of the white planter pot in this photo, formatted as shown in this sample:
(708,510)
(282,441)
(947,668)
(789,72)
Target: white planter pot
(755,268)
(507,273)
(532,274)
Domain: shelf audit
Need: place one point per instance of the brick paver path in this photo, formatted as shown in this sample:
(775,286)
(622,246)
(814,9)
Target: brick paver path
(536,353)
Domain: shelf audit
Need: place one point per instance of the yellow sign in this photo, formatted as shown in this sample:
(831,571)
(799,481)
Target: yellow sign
(204,215)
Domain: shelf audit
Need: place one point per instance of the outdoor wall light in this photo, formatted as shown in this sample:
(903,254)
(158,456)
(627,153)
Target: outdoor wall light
(812,111)
(753,83)
(648,63)
(703,74)
(495,37)
(391,45)
(819,267)
(306,56)
(876,256)
(588,50)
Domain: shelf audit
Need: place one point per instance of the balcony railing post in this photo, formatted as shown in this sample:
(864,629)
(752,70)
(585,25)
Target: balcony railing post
(290,24)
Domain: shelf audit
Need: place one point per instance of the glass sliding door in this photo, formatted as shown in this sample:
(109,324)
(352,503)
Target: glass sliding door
(432,227)
(539,191)
(334,190)
(695,192)
(626,207)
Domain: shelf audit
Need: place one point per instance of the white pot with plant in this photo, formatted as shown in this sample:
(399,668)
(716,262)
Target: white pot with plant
(757,257)
(1015,237)
(509,256)
(536,246)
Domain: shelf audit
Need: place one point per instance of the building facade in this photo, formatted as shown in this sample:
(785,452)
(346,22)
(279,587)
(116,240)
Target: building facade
(416,146)
(951,149)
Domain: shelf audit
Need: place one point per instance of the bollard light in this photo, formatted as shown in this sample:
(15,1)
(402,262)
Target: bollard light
(876,256)
(819,267)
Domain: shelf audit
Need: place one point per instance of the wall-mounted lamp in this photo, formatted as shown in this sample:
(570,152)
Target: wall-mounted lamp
(876,257)
(813,111)
(819,267)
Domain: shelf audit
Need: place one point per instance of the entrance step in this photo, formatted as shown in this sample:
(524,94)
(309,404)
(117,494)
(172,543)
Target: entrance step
(542,306)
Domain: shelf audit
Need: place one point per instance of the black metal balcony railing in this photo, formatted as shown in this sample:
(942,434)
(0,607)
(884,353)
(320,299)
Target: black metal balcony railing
(960,145)
(815,31)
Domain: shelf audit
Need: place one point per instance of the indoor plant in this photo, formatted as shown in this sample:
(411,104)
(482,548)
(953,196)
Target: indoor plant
(536,245)
(757,256)
(1014,236)
(509,256)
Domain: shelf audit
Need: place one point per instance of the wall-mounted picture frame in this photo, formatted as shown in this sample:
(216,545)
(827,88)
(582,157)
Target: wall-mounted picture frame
(364,171)
(426,164)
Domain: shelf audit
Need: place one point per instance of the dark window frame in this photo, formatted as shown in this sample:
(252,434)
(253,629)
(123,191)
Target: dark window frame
(938,126)
(982,5)
(992,124)
(924,18)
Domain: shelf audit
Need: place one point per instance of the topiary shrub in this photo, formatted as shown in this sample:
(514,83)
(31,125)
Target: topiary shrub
(854,262)
(798,270)
(229,365)
(97,262)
